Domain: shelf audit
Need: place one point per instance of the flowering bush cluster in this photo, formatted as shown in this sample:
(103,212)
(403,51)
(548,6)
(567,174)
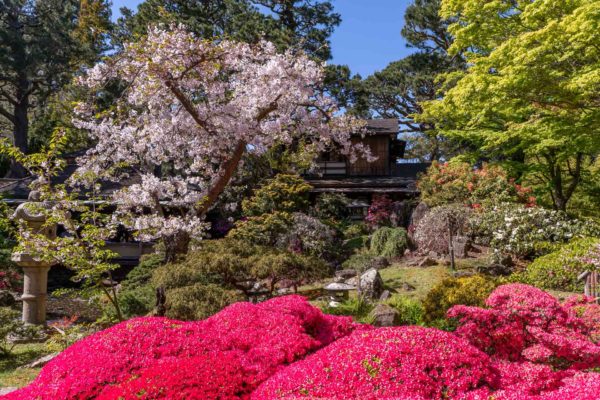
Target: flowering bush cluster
(446,183)
(225,356)
(457,182)
(526,231)
(523,345)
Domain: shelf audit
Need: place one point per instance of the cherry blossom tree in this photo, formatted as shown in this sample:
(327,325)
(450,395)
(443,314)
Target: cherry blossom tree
(189,111)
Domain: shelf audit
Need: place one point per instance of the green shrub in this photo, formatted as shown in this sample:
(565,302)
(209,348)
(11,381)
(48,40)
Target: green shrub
(359,262)
(411,310)
(284,193)
(355,230)
(264,229)
(389,242)
(199,301)
(559,269)
(357,243)
(298,232)
(331,206)
(137,295)
(219,271)
(470,291)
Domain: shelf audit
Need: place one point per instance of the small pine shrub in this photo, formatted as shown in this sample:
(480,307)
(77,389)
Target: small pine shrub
(359,262)
(559,269)
(470,291)
(199,301)
(137,296)
(411,310)
(389,242)
(284,193)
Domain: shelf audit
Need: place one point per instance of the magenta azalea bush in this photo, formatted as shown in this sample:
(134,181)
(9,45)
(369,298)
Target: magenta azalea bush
(523,345)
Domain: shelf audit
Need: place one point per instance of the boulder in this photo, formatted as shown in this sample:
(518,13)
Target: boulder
(418,213)
(461,245)
(371,284)
(385,295)
(7,299)
(384,315)
(379,263)
(427,262)
(345,273)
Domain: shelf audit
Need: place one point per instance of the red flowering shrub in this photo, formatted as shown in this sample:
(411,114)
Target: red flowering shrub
(446,183)
(404,362)
(524,323)
(253,341)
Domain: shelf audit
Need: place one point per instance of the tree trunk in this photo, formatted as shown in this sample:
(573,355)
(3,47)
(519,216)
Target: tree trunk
(176,244)
(20,127)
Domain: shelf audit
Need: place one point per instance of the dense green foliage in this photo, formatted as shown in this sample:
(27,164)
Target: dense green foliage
(307,24)
(43,44)
(389,242)
(284,193)
(218,273)
(559,269)
(137,295)
(331,207)
(471,291)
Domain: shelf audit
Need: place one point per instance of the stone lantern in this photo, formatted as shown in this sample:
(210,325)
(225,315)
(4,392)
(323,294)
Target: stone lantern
(35,271)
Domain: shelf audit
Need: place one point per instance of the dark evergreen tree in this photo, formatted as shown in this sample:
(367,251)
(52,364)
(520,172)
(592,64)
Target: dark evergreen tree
(42,43)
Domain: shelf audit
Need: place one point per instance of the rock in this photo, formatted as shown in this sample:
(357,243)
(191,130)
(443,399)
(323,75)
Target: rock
(7,299)
(427,262)
(385,295)
(371,284)
(379,263)
(334,304)
(461,246)
(7,390)
(352,281)
(345,273)
(433,254)
(463,274)
(495,269)
(339,287)
(384,315)
(40,362)
(418,213)
(408,287)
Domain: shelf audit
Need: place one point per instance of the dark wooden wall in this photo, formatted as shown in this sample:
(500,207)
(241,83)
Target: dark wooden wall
(380,147)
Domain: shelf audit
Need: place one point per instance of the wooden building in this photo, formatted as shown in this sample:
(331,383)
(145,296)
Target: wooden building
(389,174)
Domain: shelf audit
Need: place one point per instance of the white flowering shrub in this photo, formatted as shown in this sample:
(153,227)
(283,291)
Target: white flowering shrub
(528,231)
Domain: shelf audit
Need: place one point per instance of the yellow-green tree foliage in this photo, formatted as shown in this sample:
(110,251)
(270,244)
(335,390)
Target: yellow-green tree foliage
(530,95)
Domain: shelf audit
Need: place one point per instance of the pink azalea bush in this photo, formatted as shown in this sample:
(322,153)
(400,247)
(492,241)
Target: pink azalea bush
(524,345)
(404,362)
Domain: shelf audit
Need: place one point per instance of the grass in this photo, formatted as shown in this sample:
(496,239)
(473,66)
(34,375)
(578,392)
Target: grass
(422,279)
(21,355)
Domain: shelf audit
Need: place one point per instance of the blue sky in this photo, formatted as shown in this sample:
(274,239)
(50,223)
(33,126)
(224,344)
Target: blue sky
(368,38)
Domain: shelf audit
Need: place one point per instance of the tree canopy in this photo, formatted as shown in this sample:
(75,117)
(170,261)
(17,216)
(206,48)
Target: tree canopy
(530,95)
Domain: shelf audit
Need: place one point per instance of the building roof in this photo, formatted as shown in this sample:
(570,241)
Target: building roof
(389,126)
